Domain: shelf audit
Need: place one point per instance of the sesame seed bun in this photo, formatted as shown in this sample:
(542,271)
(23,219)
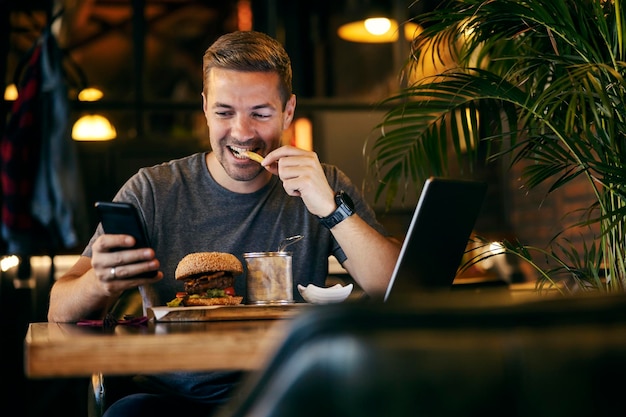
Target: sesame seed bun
(201,262)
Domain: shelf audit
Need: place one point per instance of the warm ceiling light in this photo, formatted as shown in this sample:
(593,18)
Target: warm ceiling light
(377,25)
(93,127)
(10,93)
(375,30)
(90,94)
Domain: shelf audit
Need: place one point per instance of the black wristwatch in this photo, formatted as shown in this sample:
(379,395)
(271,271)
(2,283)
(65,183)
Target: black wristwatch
(345,209)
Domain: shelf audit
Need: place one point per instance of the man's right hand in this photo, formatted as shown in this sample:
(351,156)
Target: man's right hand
(117,266)
(90,287)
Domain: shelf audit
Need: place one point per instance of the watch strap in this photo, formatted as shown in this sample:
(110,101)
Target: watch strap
(345,209)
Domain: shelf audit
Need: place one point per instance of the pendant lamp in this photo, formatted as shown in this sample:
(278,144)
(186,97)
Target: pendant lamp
(378,29)
(92,127)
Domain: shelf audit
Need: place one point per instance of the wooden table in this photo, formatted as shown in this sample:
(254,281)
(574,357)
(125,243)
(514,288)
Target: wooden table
(70,350)
(233,339)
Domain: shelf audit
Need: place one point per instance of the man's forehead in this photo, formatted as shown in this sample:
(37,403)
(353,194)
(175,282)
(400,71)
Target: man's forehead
(257,90)
(216,74)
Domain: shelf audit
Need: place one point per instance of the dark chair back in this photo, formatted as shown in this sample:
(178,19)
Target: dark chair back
(447,356)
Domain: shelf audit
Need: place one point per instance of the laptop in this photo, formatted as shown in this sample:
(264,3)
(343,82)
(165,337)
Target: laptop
(437,236)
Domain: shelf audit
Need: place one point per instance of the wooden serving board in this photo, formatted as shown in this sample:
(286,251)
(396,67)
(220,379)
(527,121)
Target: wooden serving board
(222,313)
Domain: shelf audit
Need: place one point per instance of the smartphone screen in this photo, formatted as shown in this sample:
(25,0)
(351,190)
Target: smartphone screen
(122,219)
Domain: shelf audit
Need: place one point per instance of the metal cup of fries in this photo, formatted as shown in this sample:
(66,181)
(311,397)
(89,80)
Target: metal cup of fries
(269,278)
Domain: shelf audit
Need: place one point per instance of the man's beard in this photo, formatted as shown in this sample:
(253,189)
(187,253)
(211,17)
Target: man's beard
(239,174)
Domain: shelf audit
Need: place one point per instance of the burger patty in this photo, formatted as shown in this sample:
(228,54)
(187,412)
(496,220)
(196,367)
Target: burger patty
(199,284)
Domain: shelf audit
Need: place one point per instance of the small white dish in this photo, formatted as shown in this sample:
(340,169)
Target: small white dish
(318,295)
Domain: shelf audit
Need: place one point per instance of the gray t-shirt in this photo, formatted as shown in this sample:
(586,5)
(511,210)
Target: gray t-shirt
(186,211)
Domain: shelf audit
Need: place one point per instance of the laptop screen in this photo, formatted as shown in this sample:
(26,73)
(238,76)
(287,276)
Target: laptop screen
(437,236)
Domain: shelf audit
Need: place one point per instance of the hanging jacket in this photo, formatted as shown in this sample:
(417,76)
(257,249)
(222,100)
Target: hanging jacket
(43,207)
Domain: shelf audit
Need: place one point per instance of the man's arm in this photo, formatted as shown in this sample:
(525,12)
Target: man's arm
(371,256)
(77,295)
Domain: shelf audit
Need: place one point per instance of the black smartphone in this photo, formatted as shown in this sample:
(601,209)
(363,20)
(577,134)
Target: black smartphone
(122,219)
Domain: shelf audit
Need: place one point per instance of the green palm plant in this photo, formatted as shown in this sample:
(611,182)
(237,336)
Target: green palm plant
(538,82)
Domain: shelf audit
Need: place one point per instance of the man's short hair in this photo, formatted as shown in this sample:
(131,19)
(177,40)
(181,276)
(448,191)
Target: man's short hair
(250,51)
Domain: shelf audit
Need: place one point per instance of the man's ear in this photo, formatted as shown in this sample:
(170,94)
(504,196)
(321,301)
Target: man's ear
(203,103)
(290,109)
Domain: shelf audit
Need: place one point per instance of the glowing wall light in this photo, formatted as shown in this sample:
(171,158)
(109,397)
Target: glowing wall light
(92,127)
(10,93)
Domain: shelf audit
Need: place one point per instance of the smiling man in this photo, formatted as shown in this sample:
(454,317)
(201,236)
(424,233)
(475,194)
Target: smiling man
(245,112)
(223,201)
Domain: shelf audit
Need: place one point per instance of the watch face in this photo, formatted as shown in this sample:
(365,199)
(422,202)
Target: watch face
(343,198)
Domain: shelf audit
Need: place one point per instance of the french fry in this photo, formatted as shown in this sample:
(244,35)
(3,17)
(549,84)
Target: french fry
(254,156)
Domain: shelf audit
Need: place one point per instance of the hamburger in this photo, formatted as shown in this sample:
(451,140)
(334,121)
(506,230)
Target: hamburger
(209,279)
